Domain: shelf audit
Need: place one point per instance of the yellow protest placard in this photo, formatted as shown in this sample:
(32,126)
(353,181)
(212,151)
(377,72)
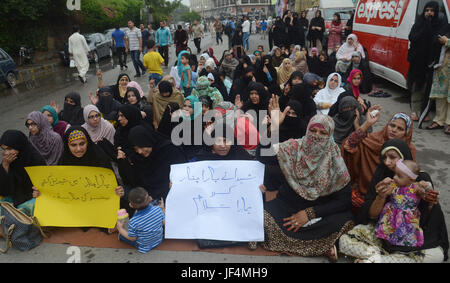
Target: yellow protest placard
(75,196)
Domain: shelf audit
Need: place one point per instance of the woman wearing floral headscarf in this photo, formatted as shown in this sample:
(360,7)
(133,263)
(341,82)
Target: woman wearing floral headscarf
(312,208)
(204,88)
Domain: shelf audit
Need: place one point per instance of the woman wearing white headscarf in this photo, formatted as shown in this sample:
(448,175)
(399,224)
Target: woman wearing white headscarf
(329,94)
(345,52)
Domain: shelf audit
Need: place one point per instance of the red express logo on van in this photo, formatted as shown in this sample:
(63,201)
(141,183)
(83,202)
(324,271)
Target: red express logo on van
(381,13)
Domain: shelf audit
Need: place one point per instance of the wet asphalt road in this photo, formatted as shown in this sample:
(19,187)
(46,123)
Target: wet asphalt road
(433,150)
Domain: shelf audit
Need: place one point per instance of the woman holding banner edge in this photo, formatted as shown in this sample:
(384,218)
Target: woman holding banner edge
(80,150)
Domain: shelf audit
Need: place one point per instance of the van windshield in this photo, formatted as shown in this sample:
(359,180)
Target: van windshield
(328,14)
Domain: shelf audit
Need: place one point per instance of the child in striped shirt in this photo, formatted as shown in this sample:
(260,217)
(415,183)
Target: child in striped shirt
(145,229)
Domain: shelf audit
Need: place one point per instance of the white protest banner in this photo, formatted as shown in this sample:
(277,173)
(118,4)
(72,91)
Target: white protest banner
(216,200)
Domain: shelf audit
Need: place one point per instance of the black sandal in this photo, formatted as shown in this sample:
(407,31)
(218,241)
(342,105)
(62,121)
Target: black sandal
(447,130)
(434,126)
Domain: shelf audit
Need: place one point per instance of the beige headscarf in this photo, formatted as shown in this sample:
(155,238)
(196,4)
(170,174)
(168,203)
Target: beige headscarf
(284,72)
(159,102)
(300,63)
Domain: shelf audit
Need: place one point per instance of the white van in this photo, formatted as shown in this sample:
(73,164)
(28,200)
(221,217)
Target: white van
(383,27)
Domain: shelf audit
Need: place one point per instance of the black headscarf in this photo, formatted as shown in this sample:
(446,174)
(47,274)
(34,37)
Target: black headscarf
(115,89)
(343,121)
(261,76)
(134,117)
(16,183)
(303,94)
(152,172)
(263,97)
(107,105)
(94,155)
(142,105)
(237,152)
(73,114)
(424,47)
(293,127)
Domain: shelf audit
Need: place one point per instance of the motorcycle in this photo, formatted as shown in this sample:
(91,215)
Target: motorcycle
(25,55)
(64,55)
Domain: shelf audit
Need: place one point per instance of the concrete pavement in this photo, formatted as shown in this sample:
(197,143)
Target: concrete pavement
(433,155)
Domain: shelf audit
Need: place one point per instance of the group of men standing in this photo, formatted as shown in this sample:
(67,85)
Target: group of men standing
(133,41)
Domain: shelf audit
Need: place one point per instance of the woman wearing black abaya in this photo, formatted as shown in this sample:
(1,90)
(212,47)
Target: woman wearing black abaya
(293,126)
(316,30)
(346,120)
(303,94)
(361,242)
(80,150)
(258,101)
(106,103)
(129,117)
(150,162)
(16,186)
(267,75)
(223,148)
(279,33)
(72,112)
(133,98)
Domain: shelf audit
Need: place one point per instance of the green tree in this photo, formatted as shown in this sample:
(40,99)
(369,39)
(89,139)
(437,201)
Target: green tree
(162,10)
(191,16)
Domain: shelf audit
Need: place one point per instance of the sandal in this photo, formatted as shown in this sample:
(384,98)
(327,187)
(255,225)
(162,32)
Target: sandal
(447,130)
(333,255)
(434,126)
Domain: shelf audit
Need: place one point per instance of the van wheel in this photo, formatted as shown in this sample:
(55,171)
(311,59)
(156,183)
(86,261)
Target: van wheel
(11,80)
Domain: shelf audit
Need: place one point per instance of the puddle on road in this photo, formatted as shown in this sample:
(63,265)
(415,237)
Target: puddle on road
(62,77)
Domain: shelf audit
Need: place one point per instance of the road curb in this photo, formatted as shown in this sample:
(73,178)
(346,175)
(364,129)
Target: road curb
(30,74)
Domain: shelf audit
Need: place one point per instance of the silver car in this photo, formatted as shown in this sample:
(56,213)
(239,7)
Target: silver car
(99,46)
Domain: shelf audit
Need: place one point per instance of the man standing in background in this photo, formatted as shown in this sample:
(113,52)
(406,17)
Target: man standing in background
(145,37)
(246,33)
(118,40)
(78,50)
(133,41)
(163,39)
(219,29)
(198,35)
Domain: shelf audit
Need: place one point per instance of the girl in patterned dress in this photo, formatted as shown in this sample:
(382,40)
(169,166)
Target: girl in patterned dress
(398,224)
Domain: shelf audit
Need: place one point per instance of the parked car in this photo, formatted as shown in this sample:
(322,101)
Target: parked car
(108,35)
(99,46)
(8,69)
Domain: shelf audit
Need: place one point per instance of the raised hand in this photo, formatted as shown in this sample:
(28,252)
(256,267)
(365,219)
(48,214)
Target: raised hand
(93,98)
(238,102)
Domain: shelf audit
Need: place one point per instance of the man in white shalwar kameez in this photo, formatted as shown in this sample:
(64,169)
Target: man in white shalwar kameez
(78,50)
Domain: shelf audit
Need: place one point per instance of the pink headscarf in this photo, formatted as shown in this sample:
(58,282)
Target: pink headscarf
(350,81)
(137,86)
(314,49)
(246,134)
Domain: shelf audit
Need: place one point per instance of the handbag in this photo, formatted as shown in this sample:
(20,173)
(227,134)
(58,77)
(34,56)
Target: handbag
(20,231)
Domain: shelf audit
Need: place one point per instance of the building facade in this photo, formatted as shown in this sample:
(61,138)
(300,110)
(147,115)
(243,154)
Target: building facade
(225,8)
